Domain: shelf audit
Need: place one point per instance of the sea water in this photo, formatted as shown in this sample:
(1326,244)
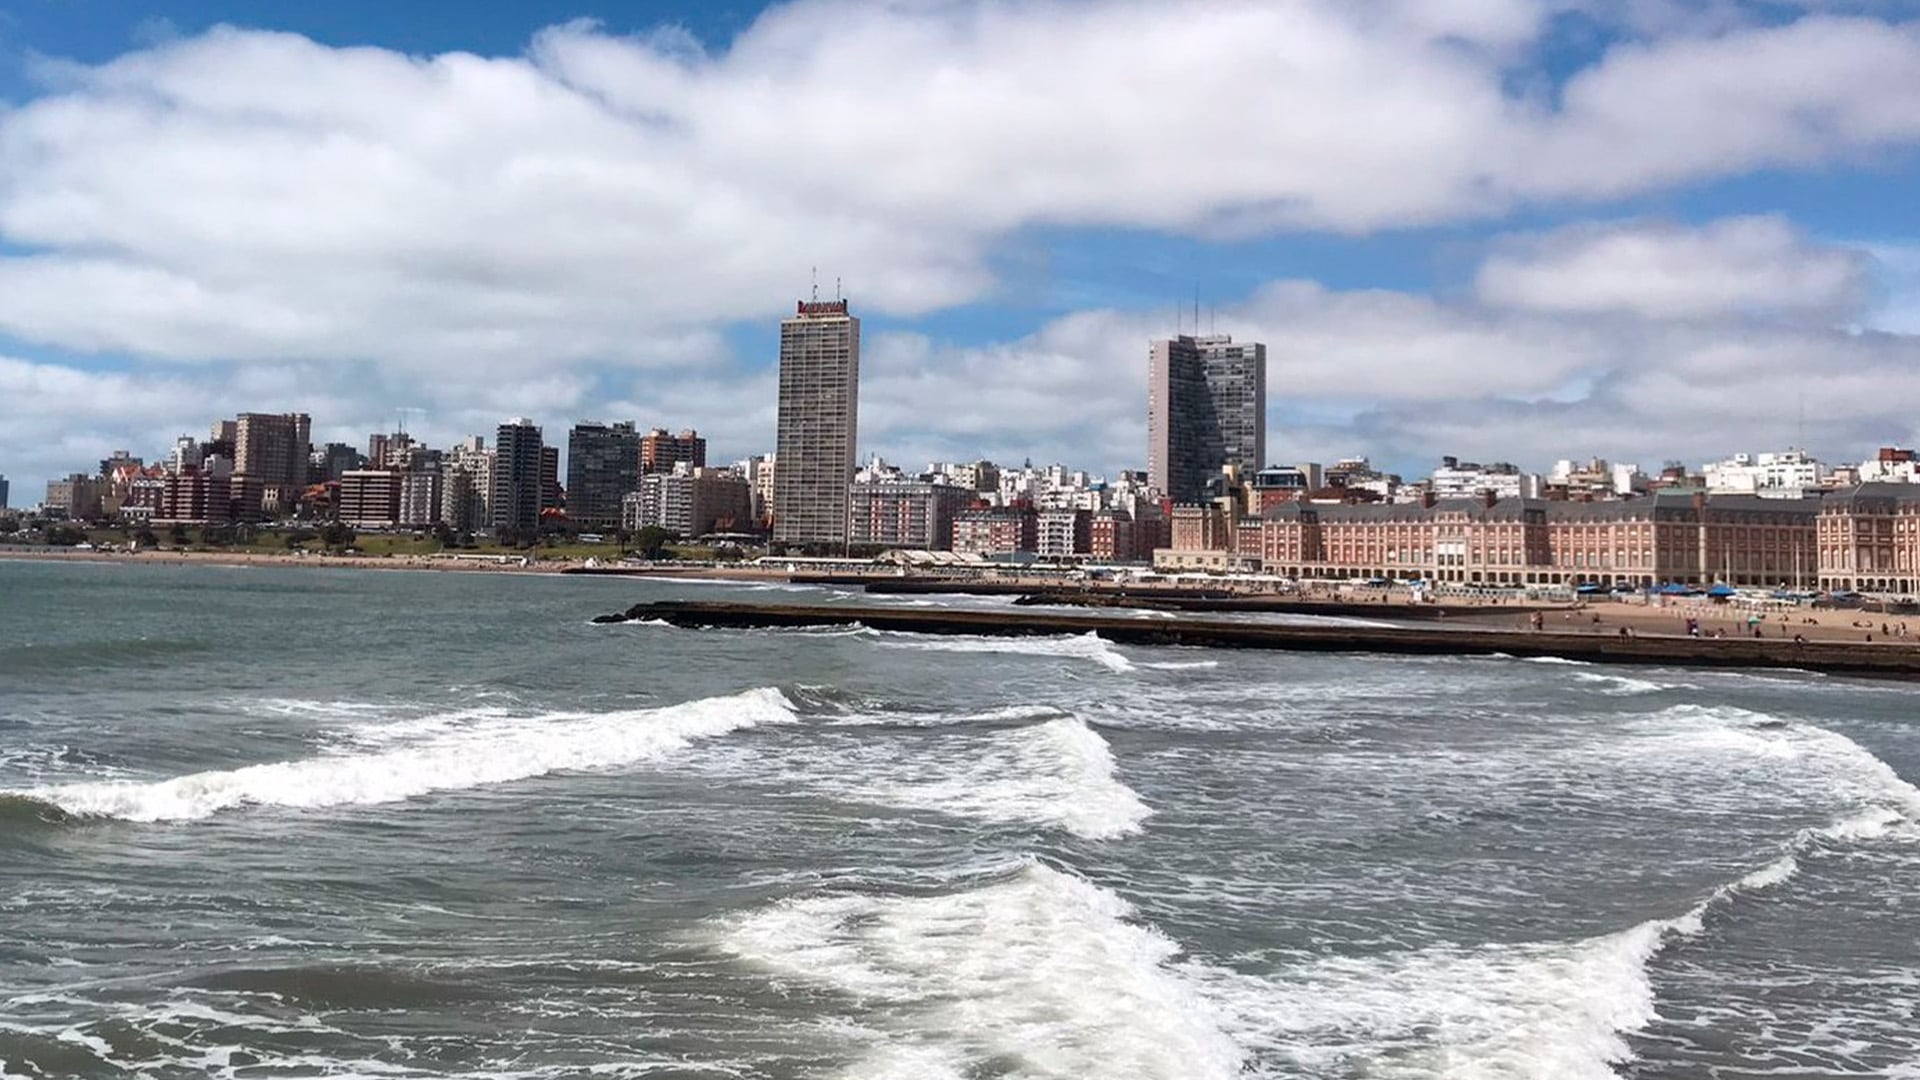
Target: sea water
(307,822)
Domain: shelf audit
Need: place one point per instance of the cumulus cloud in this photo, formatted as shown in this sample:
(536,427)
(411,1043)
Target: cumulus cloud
(257,196)
(253,220)
(1742,265)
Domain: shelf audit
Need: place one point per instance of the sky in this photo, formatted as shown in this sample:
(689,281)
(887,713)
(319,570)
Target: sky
(1514,230)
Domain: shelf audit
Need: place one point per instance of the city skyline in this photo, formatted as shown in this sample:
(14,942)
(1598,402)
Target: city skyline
(1457,260)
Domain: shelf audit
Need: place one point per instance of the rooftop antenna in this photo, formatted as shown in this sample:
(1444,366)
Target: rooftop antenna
(836,290)
(1213,315)
(816,284)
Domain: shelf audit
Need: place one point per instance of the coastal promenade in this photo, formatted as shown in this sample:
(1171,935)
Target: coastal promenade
(1898,660)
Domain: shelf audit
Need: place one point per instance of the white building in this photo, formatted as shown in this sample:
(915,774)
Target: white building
(1456,479)
(1891,465)
(1064,533)
(758,473)
(1597,477)
(1787,474)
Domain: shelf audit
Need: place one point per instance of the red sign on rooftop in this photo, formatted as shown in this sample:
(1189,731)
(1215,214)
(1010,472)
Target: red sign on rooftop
(822,307)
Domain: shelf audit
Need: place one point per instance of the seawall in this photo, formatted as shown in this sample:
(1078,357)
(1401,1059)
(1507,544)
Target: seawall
(1898,661)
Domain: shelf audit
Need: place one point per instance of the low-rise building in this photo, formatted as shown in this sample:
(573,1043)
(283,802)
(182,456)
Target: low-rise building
(1869,539)
(1788,474)
(996,530)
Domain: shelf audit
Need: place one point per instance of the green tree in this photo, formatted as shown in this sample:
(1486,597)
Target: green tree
(337,536)
(177,536)
(651,542)
(146,538)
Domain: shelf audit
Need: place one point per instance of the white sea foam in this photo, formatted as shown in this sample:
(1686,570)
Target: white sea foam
(1007,714)
(488,752)
(1495,1012)
(1058,773)
(1816,760)
(1620,684)
(1557,660)
(1041,974)
(1088,646)
(1500,1011)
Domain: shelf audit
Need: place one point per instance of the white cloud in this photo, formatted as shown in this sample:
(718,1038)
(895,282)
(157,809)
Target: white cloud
(259,221)
(257,196)
(1742,265)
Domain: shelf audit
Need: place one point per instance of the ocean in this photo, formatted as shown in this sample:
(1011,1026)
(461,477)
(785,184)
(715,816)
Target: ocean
(298,822)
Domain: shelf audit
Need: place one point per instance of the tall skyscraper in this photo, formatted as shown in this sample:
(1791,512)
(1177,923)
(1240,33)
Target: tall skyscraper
(517,480)
(3,493)
(272,448)
(819,421)
(1206,408)
(603,465)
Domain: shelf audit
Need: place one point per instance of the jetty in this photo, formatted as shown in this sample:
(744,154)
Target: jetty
(1889,660)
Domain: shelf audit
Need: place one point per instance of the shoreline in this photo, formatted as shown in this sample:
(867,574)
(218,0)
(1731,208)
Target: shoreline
(1607,617)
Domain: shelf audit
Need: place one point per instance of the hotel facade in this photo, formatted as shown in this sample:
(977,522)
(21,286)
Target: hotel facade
(1671,537)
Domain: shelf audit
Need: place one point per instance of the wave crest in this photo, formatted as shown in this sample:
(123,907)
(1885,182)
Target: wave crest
(494,752)
(1087,646)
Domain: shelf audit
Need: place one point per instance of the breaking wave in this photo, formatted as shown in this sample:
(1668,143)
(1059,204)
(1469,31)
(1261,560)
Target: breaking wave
(1057,773)
(1040,973)
(488,752)
(1087,646)
(1620,684)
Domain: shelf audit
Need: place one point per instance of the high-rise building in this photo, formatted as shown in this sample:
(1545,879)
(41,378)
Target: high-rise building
(329,461)
(1206,408)
(517,487)
(370,498)
(419,498)
(689,502)
(819,421)
(603,466)
(3,493)
(272,448)
(467,491)
(758,471)
(75,498)
(660,452)
(383,448)
(119,460)
(551,495)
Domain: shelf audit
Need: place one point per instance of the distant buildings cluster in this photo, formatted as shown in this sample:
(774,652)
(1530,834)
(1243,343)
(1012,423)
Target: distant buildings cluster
(1208,499)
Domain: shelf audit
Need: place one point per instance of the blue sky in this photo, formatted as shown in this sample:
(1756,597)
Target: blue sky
(1514,229)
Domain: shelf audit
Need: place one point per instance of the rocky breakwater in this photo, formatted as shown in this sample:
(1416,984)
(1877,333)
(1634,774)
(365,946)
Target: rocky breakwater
(1881,660)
